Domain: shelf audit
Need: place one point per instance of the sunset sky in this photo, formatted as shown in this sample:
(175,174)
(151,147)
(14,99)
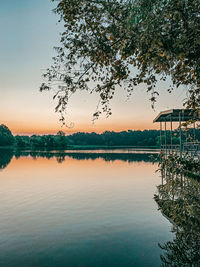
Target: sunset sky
(29,31)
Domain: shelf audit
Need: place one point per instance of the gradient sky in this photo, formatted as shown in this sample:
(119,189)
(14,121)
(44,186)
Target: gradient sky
(28,33)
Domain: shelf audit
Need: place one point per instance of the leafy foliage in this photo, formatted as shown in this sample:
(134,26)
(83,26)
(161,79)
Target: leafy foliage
(108,44)
(146,138)
(124,138)
(22,141)
(187,165)
(49,141)
(58,141)
(6,137)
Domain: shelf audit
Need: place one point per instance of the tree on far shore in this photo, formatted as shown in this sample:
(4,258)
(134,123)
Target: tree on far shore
(6,137)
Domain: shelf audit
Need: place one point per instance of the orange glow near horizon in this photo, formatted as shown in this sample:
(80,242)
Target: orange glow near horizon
(100,126)
(47,129)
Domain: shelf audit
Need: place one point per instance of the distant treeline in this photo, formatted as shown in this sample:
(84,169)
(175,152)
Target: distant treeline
(146,138)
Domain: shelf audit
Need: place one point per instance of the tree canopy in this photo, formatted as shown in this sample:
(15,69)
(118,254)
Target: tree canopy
(110,43)
(6,137)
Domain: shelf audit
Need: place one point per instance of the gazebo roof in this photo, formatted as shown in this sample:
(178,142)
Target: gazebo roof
(173,115)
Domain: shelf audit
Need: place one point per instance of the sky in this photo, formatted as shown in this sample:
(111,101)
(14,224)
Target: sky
(28,32)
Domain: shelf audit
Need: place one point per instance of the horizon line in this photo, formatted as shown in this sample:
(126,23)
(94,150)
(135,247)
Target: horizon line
(70,133)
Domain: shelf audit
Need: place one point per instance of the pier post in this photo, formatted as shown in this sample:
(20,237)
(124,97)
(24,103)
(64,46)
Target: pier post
(161,135)
(180,135)
(165,137)
(171,132)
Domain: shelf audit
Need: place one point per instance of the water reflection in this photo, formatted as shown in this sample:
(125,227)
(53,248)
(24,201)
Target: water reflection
(119,197)
(178,199)
(81,212)
(6,156)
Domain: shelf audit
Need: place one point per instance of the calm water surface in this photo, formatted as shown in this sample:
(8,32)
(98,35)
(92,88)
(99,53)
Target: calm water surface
(75,210)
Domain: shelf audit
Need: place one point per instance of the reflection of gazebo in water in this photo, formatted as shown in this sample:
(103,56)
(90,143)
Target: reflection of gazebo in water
(187,142)
(178,198)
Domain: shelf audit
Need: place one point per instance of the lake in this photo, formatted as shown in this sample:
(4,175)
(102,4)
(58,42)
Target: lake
(80,209)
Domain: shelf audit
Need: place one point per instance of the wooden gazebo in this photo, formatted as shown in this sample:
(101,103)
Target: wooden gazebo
(179,116)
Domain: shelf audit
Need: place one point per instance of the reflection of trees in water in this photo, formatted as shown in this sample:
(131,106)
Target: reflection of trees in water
(179,200)
(129,157)
(61,156)
(5,157)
